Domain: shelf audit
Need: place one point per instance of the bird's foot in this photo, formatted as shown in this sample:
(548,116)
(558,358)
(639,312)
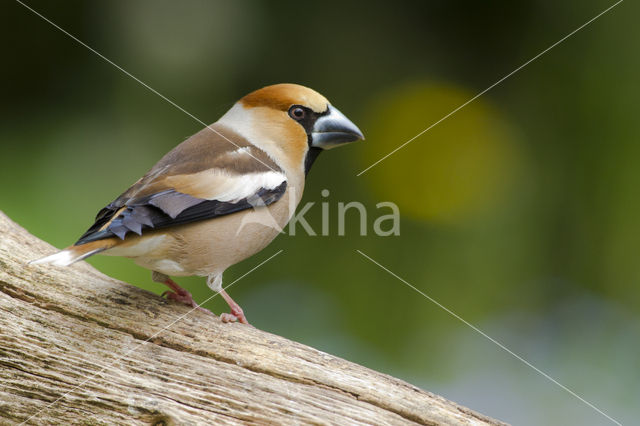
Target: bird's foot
(181,295)
(236,311)
(234,317)
(227,317)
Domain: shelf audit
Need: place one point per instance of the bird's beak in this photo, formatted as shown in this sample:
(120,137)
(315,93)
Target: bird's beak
(333,129)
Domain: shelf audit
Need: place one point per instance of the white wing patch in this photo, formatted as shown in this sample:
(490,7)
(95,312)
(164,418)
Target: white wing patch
(243,150)
(244,186)
(218,184)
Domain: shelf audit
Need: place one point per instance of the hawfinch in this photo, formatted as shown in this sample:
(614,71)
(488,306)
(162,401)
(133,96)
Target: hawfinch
(202,207)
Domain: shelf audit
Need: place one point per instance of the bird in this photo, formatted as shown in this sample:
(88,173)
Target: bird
(220,196)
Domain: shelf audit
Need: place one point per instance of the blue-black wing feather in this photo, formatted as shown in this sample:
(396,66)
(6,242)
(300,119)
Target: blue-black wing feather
(154,212)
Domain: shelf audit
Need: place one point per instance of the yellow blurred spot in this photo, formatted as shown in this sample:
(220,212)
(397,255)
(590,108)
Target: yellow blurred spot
(460,167)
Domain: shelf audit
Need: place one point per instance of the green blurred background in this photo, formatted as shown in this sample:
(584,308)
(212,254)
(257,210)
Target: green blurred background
(519,212)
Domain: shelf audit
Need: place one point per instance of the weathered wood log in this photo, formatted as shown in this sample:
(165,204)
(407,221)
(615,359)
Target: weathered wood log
(79,347)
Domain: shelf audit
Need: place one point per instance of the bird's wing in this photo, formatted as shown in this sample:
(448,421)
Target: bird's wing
(211,174)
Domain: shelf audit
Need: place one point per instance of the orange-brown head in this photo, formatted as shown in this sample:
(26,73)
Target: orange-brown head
(292,123)
(282,96)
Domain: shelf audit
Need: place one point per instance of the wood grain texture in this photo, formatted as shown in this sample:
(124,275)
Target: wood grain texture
(78,347)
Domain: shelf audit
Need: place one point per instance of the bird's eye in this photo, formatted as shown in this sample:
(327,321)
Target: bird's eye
(297,113)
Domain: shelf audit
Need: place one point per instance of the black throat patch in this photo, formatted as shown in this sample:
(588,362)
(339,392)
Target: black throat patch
(312,154)
(308,122)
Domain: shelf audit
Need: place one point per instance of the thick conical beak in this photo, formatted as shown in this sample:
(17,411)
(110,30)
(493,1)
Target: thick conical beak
(333,129)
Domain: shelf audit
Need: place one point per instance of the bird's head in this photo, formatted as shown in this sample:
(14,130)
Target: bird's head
(291,122)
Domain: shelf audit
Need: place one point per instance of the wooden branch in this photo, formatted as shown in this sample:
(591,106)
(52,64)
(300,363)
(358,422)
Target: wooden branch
(79,347)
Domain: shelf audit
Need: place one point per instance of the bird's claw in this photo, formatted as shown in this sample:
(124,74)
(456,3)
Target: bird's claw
(226,317)
(236,315)
(184,297)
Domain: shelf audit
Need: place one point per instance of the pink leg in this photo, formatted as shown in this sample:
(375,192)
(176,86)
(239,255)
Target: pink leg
(236,311)
(181,295)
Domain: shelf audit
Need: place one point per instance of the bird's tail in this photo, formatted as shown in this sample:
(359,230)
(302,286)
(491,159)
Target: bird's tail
(74,254)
